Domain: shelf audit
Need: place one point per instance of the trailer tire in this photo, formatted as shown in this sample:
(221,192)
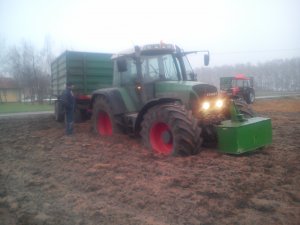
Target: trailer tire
(105,123)
(169,129)
(78,116)
(59,112)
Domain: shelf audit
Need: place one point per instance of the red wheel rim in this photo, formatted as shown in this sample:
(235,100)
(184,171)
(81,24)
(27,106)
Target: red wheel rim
(161,138)
(104,124)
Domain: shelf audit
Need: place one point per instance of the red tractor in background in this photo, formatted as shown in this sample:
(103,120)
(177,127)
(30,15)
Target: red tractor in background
(238,87)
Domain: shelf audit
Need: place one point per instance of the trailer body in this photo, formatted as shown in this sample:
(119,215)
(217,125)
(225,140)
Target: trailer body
(87,71)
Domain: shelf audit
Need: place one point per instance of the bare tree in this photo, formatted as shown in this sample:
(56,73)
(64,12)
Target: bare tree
(29,68)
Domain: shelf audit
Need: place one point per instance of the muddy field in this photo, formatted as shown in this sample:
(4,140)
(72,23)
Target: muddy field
(47,178)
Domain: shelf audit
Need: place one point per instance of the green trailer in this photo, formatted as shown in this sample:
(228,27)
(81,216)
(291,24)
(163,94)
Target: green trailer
(87,71)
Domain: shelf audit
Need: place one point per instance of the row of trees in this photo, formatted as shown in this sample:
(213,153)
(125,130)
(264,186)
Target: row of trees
(275,75)
(30,68)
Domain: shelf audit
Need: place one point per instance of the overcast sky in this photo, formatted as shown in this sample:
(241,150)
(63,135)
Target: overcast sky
(235,31)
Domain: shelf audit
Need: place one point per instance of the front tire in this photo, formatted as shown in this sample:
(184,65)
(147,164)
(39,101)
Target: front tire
(170,129)
(103,119)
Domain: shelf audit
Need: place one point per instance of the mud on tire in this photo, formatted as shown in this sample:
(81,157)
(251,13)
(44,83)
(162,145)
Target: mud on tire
(105,123)
(169,129)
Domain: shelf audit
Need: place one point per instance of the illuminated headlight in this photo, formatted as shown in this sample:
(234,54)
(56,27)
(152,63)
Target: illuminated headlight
(205,105)
(219,103)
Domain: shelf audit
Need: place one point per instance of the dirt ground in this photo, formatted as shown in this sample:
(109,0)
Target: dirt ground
(47,178)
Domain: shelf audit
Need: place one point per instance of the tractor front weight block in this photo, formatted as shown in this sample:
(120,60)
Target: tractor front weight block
(237,137)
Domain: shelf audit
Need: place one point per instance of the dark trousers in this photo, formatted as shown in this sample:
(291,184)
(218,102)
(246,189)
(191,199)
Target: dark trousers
(69,121)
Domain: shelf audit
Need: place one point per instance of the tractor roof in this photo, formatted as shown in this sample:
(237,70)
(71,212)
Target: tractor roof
(241,77)
(150,49)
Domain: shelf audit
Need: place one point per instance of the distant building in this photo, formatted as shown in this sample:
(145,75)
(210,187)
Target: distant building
(9,91)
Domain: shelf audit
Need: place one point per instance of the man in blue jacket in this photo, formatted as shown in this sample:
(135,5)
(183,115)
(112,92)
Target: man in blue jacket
(69,102)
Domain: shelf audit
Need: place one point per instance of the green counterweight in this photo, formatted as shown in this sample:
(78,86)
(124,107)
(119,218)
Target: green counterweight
(240,135)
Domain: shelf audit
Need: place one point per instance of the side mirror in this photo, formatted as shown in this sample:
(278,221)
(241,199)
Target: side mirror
(206,59)
(122,65)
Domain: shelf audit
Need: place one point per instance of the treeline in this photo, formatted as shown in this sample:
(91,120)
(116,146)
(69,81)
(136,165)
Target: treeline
(275,75)
(30,68)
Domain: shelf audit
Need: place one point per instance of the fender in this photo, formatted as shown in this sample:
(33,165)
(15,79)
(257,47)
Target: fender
(148,105)
(114,97)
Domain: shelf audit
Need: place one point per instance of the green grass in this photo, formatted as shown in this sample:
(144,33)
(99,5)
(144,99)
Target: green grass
(24,107)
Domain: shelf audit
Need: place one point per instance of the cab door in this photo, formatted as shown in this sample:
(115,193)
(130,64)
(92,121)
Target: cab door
(127,81)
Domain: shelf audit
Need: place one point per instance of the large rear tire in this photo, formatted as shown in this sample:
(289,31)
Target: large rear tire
(169,129)
(105,123)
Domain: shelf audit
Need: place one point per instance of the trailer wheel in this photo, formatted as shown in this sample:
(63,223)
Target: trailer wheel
(59,113)
(170,129)
(78,116)
(104,122)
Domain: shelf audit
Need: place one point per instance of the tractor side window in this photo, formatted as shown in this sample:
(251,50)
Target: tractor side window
(150,69)
(169,67)
(161,67)
(129,76)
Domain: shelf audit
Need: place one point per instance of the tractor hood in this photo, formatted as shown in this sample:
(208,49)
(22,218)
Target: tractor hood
(183,89)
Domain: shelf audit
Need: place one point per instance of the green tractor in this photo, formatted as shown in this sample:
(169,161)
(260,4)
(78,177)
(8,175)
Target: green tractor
(155,95)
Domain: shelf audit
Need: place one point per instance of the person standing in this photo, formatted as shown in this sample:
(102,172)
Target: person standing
(69,103)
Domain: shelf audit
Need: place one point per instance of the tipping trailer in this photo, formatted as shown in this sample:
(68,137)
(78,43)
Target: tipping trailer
(87,72)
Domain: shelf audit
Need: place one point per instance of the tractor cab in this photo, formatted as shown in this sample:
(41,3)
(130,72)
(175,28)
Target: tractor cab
(143,71)
(155,62)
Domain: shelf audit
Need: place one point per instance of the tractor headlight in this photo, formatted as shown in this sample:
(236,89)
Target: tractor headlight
(219,103)
(205,105)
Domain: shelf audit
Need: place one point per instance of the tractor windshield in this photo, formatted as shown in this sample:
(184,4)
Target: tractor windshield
(240,83)
(160,67)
